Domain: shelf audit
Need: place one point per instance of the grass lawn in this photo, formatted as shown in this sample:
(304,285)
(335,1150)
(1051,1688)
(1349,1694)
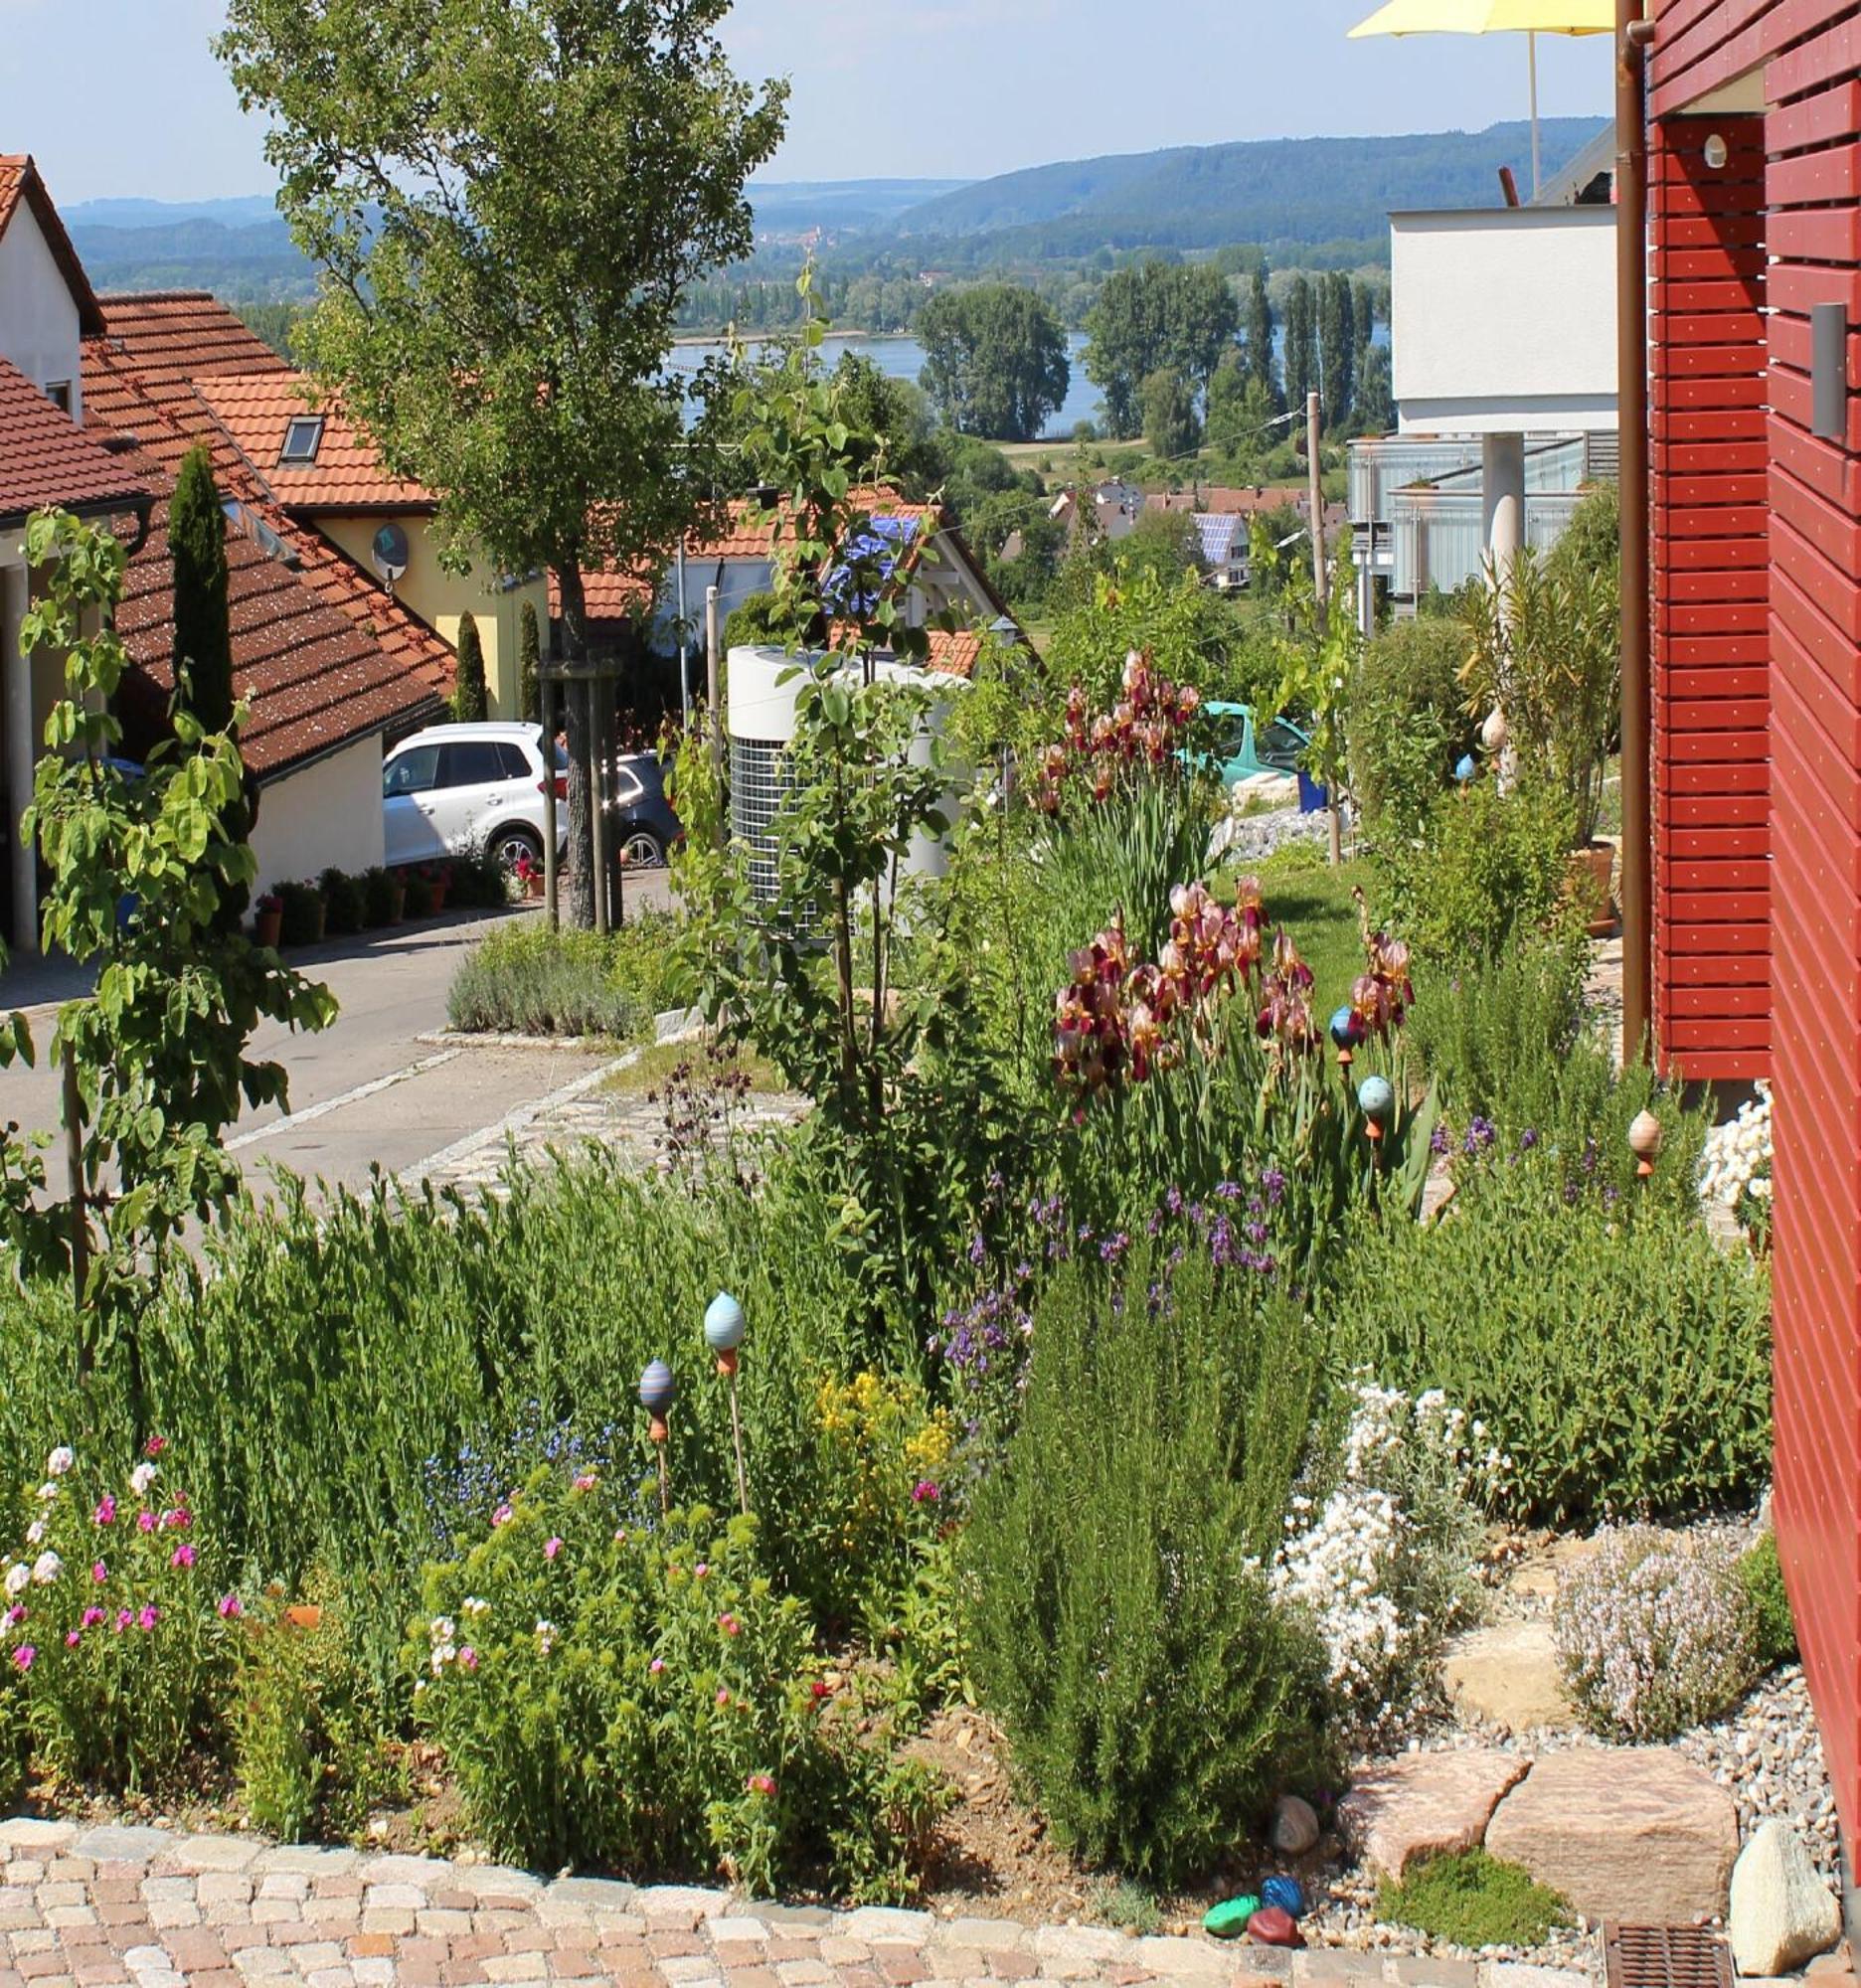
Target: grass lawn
(1314,903)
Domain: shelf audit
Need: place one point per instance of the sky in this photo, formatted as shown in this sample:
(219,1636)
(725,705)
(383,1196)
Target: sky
(118,98)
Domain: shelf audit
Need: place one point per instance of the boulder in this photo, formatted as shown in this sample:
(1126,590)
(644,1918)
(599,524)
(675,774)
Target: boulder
(1508,1675)
(1628,1833)
(1782,1913)
(1425,1805)
(1295,1826)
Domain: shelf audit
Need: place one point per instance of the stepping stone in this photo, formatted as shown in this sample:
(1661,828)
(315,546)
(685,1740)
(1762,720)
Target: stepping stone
(1630,1833)
(1422,1805)
(1508,1675)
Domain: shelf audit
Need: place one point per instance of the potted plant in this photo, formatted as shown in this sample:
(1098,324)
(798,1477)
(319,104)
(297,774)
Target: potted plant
(267,920)
(418,886)
(440,875)
(1545,679)
(301,920)
(380,899)
(529,874)
(345,908)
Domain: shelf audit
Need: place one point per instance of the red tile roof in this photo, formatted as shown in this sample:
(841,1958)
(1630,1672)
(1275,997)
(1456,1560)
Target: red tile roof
(324,656)
(47,459)
(256,412)
(20,182)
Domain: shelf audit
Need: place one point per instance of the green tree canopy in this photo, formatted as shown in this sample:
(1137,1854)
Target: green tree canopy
(1302,342)
(1375,395)
(529,665)
(1170,423)
(1337,349)
(203,634)
(1263,367)
(1161,316)
(995,360)
(470,700)
(507,199)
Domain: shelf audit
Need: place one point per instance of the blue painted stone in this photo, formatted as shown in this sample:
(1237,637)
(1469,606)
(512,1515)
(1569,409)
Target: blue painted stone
(724,1323)
(657,1389)
(1229,1920)
(1375,1099)
(1466,769)
(1271,1925)
(1286,1892)
(1346,1029)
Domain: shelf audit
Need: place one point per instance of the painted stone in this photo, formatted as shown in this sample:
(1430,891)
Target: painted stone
(1273,1928)
(1229,1920)
(1285,1893)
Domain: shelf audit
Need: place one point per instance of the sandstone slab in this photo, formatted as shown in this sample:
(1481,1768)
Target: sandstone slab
(1631,1833)
(1508,1675)
(1782,1913)
(1421,1805)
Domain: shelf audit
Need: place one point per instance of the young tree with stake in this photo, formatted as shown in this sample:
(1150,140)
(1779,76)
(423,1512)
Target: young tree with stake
(507,200)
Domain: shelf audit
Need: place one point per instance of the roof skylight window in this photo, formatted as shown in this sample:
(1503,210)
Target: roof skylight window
(303,436)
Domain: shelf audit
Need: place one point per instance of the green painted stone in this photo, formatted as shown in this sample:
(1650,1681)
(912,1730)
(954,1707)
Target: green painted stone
(1227,1921)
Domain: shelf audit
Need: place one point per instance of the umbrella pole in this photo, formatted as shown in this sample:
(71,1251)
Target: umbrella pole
(1531,57)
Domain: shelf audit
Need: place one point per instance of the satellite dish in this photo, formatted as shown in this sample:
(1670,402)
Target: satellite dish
(390,552)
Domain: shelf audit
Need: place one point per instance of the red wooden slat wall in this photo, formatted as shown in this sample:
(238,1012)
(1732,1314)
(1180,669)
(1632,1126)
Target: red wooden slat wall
(1711,564)
(1810,57)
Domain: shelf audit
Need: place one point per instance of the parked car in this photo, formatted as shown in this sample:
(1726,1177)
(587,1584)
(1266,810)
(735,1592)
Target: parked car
(453,788)
(1242,752)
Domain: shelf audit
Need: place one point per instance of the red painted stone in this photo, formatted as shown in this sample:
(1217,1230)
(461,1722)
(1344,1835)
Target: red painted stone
(1272,1927)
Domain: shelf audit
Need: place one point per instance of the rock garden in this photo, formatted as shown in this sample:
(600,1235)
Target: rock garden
(1066,1474)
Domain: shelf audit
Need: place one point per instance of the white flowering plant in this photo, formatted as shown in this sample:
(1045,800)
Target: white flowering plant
(614,1687)
(1381,1555)
(1654,1633)
(114,1630)
(1735,1166)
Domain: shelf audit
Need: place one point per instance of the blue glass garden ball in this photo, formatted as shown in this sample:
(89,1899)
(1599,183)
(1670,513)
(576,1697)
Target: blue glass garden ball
(1465,769)
(657,1389)
(1346,1029)
(1286,1893)
(1375,1099)
(724,1323)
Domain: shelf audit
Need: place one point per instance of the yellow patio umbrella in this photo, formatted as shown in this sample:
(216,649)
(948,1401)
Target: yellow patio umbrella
(1530,18)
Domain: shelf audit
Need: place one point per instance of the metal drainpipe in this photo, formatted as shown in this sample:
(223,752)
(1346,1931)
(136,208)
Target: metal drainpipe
(1637,855)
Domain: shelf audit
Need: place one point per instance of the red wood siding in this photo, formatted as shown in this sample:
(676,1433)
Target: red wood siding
(1709,568)
(1811,55)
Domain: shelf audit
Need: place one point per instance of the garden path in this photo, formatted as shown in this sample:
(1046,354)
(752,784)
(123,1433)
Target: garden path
(132,1907)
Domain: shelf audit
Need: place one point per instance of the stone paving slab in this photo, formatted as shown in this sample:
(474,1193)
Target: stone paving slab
(131,1908)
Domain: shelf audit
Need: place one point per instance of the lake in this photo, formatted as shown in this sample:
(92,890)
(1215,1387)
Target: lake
(903,358)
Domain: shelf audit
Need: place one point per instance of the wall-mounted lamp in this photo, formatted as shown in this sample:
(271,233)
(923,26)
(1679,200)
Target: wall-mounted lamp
(1828,371)
(1717,153)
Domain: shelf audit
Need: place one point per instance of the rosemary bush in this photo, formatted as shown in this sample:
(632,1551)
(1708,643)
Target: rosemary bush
(527,980)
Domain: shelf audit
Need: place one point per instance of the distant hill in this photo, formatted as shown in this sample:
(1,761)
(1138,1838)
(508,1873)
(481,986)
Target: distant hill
(788,209)
(1272,190)
(241,211)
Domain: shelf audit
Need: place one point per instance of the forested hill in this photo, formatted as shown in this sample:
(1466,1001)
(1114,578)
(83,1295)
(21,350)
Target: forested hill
(1272,190)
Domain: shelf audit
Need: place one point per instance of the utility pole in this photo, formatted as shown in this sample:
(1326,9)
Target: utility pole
(1321,593)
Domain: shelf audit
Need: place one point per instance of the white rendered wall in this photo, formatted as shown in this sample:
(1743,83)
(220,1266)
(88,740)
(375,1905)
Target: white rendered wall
(38,317)
(1502,320)
(328,814)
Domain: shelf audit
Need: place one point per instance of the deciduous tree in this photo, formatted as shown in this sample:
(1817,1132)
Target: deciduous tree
(529,666)
(1302,342)
(1170,424)
(1175,317)
(1337,349)
(995,360)
(507,200)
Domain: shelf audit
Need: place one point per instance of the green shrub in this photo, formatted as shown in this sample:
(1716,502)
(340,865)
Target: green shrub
(610,1688)
(477,881)
(527,980)
(1406,723)
(1473,1899)
(345,902)
(378,898)
(1487,870)
(306,1719)
(1766,1604)
(470,700)
(302,923)
(1620,1359)
(1114,1589)
(420,893)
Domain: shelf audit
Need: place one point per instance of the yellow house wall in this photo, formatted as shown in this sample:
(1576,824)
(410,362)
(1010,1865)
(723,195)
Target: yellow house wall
(442,599)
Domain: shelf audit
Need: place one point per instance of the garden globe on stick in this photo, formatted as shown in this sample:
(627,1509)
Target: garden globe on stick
(658,1392)
(1645,1141)
(1375,1099)
(724,1328)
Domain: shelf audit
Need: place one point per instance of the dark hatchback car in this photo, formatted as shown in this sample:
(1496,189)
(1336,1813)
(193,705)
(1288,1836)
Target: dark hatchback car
(640,820)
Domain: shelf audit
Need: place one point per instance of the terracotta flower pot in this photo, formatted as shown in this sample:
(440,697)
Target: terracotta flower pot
(397,904)
(1590,870)
(533,885)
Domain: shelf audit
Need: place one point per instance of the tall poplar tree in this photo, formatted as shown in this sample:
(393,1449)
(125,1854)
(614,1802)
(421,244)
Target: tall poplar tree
(1302,342)
(1263,367)
(507,200)
(1337,349)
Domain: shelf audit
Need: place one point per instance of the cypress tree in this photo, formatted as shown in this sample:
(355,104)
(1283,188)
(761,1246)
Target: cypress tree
(529,660)
(469,704)
(203,631)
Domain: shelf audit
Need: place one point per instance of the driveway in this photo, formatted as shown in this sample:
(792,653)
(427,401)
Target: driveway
(372,1090)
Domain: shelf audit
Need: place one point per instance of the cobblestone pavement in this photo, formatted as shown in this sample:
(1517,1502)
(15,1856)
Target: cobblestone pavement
(125,1908)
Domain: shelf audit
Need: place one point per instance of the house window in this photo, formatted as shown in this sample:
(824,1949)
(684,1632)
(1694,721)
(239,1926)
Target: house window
(302,438)
(58,392)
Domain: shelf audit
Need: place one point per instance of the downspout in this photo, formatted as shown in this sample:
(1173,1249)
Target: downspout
(1637,851)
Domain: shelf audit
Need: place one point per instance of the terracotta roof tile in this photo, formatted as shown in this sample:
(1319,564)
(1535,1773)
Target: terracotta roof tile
(257,410)
(45,459)
(172,337)
(20,182)
(322,653)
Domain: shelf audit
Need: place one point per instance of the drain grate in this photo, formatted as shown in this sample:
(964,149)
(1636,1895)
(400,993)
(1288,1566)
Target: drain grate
(1640,1956)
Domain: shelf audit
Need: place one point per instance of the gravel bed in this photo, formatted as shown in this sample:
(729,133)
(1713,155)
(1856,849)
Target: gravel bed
(1251,838)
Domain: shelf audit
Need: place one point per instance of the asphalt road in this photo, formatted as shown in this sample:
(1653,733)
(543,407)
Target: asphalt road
(369,1091)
